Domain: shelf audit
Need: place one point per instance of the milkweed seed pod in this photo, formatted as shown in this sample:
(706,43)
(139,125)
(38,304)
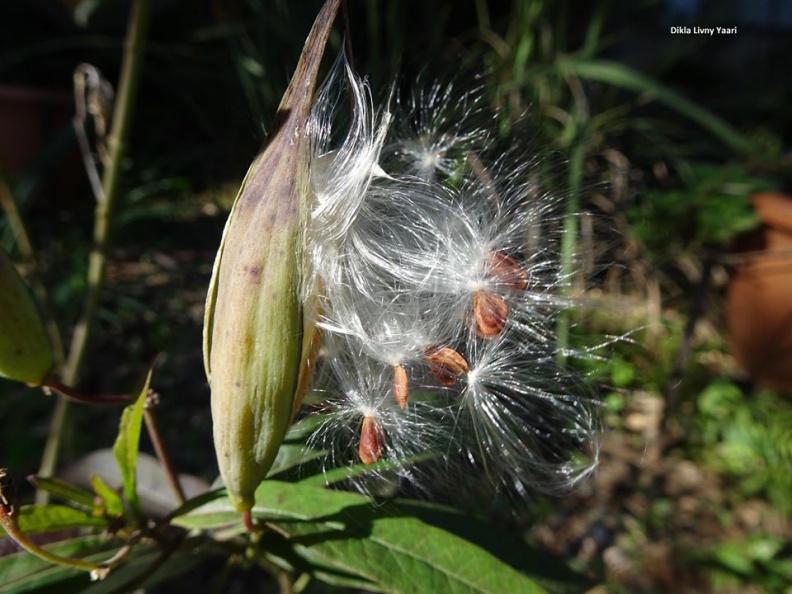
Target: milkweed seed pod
(253,327)
(25,351)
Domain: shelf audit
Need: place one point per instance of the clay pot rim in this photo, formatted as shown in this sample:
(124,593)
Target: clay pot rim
(774,209)
(34,94)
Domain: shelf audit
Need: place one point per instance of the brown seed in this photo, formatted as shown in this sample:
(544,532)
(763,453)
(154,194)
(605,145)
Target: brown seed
(445,364)
(489,314)
(400,387)
(506,271)
(372,440)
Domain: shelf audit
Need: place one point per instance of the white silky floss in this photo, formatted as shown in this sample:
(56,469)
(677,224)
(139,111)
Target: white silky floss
(436,268)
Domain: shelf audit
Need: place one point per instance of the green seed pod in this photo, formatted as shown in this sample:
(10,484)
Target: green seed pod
(25,351)
(253,327)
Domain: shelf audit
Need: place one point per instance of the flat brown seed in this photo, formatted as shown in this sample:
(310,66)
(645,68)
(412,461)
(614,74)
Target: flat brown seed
(445,364)
(372,441)
(400,387)
(489,314)
(506,271)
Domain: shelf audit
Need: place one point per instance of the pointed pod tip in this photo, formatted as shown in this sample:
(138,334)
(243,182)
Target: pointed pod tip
(298,97)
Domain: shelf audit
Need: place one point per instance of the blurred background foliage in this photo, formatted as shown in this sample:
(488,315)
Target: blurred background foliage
(664,138)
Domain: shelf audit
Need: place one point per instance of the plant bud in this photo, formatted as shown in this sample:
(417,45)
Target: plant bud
(253,327)
(25,351)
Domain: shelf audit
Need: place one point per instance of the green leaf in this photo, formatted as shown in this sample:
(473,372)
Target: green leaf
(127,443)
(202,500)
(303,428)
(732,555)
(379,543)
(23,572)
(546,569)
(343,473)
(625,77)
(35,519)
(291,459)
(113,505)
(63,490)
(143,570)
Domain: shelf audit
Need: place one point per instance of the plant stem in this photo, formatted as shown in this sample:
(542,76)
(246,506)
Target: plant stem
(105,209)
(162,453)
(569,242)
(53,383)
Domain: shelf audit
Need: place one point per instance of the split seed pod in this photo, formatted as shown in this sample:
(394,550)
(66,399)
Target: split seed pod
(253,326)
(25,351)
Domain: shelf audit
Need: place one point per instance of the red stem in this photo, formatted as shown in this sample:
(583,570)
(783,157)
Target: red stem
(54,383)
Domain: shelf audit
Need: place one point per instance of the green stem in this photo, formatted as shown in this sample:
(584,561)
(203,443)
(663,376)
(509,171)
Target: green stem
(134,46)
(569,242)
(105,209)
(55,437)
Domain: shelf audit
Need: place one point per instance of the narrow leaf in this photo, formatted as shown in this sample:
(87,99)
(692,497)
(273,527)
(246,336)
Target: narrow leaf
(23,572)
(625,77)
(127,444)
(64,490)
(113,504)
(343,473)
(291,459)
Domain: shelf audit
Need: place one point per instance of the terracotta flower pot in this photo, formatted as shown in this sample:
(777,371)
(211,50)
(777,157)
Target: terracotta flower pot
(33,120)
(759,299)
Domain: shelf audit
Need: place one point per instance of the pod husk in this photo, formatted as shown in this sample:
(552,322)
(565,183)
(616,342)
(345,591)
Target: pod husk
(25,351)
(253,327)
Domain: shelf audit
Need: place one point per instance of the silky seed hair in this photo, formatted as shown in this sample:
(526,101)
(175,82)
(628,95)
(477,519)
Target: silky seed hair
(434,259)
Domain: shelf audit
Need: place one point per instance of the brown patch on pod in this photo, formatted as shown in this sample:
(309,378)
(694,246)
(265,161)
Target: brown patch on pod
(400,387)
(372,440)
(489,314)
(506,271)
(445,364)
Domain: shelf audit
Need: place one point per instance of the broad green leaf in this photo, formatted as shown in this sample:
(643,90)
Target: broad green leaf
(35,519)
(622,76)
(546,569)
(379,543)
(113,505)
(64,490)
(127,443)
